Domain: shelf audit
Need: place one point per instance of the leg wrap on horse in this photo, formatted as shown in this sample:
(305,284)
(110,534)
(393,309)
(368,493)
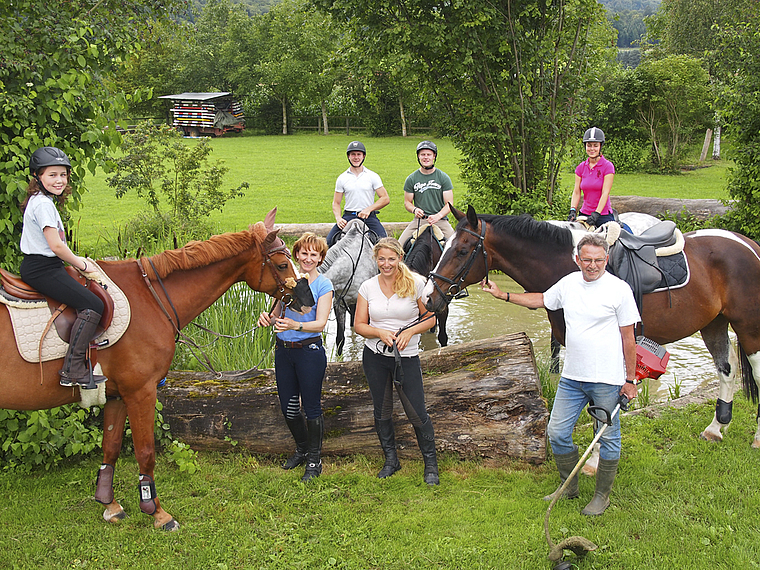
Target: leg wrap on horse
(723,411)
(104,484)
(147,490)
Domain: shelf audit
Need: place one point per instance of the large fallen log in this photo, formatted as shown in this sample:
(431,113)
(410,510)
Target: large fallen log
(701,209)
(483,396)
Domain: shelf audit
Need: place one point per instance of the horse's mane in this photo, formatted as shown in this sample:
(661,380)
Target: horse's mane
(353,228)
(525,227)
(418,259)
(202,253)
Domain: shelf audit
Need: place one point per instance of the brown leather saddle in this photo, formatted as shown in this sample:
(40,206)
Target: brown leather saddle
(15,288)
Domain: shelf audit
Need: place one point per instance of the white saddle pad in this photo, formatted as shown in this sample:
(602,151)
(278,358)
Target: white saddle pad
(29,324)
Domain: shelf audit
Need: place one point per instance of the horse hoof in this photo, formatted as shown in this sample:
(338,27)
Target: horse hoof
(756,444)
(114,518)
(171,526)
(589,470)
(711,436)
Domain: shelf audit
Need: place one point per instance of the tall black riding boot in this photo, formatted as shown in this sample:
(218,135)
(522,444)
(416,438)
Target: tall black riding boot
(297,427)
(426,441)
(387,437)
(75,370)
(315,430)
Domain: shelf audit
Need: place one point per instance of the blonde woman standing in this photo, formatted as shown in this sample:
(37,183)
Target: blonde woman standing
(390,315)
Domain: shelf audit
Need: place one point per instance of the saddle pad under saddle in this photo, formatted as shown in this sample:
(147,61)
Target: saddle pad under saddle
(675,272)
(30,323)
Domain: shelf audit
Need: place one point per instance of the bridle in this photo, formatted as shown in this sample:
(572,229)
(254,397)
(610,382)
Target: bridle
(266,259)
(455,285)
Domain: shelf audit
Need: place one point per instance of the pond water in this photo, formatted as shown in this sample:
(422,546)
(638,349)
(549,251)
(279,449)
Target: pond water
(481,316)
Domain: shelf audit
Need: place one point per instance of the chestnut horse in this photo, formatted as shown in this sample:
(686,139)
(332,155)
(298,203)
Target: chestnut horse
(724,272)
(191,279)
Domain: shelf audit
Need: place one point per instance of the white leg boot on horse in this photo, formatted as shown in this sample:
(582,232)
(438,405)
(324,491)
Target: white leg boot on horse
(76,371)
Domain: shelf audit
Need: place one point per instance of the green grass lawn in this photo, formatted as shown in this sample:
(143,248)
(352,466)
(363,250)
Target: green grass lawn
(678,502)
(297,175)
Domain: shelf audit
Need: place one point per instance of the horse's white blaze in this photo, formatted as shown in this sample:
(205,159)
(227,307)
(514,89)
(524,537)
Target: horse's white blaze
(727,235)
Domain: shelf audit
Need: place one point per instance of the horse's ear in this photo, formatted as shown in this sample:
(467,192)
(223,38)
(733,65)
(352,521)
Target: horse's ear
(271,236)
(472,217)
(456,213)
(269,219)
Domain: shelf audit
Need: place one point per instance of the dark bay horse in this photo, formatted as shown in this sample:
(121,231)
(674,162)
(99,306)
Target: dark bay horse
(424,255)
(191,279)
(723,290)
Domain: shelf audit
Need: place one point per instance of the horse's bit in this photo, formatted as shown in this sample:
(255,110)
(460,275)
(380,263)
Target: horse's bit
(455,284)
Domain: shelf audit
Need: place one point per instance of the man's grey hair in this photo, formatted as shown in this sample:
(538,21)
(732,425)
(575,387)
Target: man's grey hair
(594,239)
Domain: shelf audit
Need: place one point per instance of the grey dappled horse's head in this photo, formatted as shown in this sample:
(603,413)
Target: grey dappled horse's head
(349,263)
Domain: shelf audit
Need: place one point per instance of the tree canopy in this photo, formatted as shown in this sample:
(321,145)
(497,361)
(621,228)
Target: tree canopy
(54,57)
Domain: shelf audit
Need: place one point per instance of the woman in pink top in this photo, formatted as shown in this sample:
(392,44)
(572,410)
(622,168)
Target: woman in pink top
(593,181)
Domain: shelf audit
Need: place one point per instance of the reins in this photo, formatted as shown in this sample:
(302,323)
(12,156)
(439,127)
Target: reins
(455,284)
(193,346)
(354,264)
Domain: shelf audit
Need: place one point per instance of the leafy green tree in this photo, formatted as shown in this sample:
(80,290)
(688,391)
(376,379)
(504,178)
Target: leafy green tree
(737,64)
(53,59)
(672,105)
(509,78)
(155,162)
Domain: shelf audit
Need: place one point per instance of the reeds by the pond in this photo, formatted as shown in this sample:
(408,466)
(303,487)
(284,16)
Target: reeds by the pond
(243,346)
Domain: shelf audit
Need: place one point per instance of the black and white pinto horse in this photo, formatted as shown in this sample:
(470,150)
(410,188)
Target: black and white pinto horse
(422,257)
(348,264)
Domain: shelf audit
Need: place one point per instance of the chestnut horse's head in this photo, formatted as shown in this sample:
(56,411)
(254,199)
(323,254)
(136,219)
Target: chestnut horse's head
(464,261)
(278,275)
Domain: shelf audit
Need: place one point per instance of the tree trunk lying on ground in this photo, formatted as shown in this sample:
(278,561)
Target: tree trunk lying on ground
(700,209)
(483,396)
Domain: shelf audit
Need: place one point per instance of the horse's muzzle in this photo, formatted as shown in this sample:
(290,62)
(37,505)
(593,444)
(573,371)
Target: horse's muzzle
(302,297)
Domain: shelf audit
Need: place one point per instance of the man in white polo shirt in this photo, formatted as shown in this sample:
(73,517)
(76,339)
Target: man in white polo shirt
(358,185)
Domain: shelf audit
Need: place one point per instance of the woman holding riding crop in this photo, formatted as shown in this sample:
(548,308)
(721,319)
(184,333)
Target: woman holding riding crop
(390,315)
(300,360)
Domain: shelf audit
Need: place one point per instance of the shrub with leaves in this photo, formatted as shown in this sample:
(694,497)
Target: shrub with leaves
(172,175)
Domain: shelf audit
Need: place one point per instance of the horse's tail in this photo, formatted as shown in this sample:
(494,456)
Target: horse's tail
(748,381)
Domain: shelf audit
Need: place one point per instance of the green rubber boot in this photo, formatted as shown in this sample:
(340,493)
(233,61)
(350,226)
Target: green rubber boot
(605,477)
(565,464)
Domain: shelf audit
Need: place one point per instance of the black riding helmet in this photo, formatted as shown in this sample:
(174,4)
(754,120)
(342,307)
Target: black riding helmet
(47,156)
(356,146)
(594,134)
(426,145)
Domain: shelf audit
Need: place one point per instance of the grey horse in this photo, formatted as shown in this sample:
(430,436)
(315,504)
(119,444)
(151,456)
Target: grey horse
(348,264)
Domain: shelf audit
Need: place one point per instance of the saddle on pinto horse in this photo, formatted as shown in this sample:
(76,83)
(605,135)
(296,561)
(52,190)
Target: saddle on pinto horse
(634,258)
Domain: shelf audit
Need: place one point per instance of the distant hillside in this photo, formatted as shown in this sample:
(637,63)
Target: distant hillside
(645,6)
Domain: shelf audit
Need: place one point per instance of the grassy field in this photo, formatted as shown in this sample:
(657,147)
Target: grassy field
(679,502)
(297,174)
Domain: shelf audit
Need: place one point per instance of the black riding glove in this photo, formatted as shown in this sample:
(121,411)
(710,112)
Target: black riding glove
(593,218)
(572,215)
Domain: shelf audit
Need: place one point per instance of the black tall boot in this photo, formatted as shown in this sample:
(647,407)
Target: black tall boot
(75,370)
(387,437)
(426,441)
(315,430)
(297,427)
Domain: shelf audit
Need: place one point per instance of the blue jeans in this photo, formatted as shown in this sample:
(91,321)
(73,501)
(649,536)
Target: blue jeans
(372,221)
(572,396)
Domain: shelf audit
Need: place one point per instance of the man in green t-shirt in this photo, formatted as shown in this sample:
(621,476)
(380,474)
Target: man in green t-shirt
(427,193)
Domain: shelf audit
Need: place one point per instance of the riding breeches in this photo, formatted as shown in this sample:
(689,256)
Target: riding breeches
(380,371)
(299,373)
(48,276)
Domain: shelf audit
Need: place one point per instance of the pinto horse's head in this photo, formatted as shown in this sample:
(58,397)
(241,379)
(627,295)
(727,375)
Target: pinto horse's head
(463,261)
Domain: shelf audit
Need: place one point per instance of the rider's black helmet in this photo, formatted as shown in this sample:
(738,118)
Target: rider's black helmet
(429,145)
(594,134)
(47,156)
(356,146)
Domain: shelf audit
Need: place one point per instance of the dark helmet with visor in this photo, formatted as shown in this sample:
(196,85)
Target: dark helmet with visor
(356,146)
(47,156)
(594,134)
(427,145)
